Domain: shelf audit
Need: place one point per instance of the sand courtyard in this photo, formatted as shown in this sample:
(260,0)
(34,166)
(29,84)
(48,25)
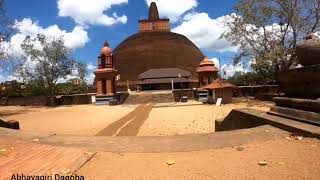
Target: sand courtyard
(143,114)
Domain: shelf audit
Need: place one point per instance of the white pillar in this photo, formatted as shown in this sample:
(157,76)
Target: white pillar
(172,86)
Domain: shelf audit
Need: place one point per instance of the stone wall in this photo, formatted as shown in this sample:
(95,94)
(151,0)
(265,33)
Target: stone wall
(43,100)
(236,119)
(73,100)
(24,101)
(9,124)
(301,82)
(243,91)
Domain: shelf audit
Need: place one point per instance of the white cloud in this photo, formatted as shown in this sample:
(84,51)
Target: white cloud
(91,12)
(2,78)
(89,78)
(77,38)
(9,78)
(173,9)
(229,70)
(91,67)
(216,62)
(205,32)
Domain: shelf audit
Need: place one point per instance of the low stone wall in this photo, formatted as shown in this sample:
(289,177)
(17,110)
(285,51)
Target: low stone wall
(3,101)
(236,119)
(24,101)
(266,96)
(9,124)
(248,118)
(301,104)
(301,82)
(255,90)
(43,100)
(73,99)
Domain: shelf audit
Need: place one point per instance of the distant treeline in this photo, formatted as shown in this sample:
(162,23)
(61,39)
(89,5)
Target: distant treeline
(16,89)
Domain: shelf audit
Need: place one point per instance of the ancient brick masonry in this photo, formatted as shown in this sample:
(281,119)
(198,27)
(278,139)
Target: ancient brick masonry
(154,47)
(207,72)
(154,23)
(105,74)
(301,85)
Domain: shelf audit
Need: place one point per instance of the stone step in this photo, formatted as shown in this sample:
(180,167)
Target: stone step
(104,99)
(102,103)
(296,114)
(249,118)
(296,103)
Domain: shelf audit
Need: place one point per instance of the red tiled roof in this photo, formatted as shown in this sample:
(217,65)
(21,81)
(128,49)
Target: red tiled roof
(206,66)
(206,62)
(164,73)
(218,84)
(165,81)
(207,69)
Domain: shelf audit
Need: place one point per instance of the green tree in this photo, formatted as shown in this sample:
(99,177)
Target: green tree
(47,60)
(267,31)
(250,78)
(12,88)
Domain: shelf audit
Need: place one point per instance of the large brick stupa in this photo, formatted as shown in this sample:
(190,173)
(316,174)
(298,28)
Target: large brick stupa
(154,47)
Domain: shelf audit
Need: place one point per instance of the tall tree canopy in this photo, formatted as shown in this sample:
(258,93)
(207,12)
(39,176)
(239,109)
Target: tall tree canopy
(267,31)
(47,60)
(7,27)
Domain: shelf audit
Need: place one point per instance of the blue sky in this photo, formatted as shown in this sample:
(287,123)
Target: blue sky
(86,26)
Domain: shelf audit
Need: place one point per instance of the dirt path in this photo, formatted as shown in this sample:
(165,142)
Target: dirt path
(132,128)
(130,124)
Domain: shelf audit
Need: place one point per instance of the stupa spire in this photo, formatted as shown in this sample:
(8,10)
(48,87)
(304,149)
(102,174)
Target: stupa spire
(153,12)
(106,43)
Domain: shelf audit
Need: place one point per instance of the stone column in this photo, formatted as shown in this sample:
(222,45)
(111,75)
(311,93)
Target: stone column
(99,86)
(109,87)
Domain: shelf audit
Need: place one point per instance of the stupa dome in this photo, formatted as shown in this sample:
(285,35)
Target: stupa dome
(154,50)
(106,50)
(308,52)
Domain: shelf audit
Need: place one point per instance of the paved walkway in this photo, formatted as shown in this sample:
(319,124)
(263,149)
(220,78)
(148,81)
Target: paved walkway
(33,158)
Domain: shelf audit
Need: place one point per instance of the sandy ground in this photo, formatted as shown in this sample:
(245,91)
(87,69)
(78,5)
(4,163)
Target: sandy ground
(286,159)
(165,117)
(75,120)
(192,117)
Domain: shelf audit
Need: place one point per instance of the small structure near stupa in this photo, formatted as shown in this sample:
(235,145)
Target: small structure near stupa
(207,72)
(303,82)
(220,89)
(308,51)
(106,77)
(301,85)
(299,110)
(210,80)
